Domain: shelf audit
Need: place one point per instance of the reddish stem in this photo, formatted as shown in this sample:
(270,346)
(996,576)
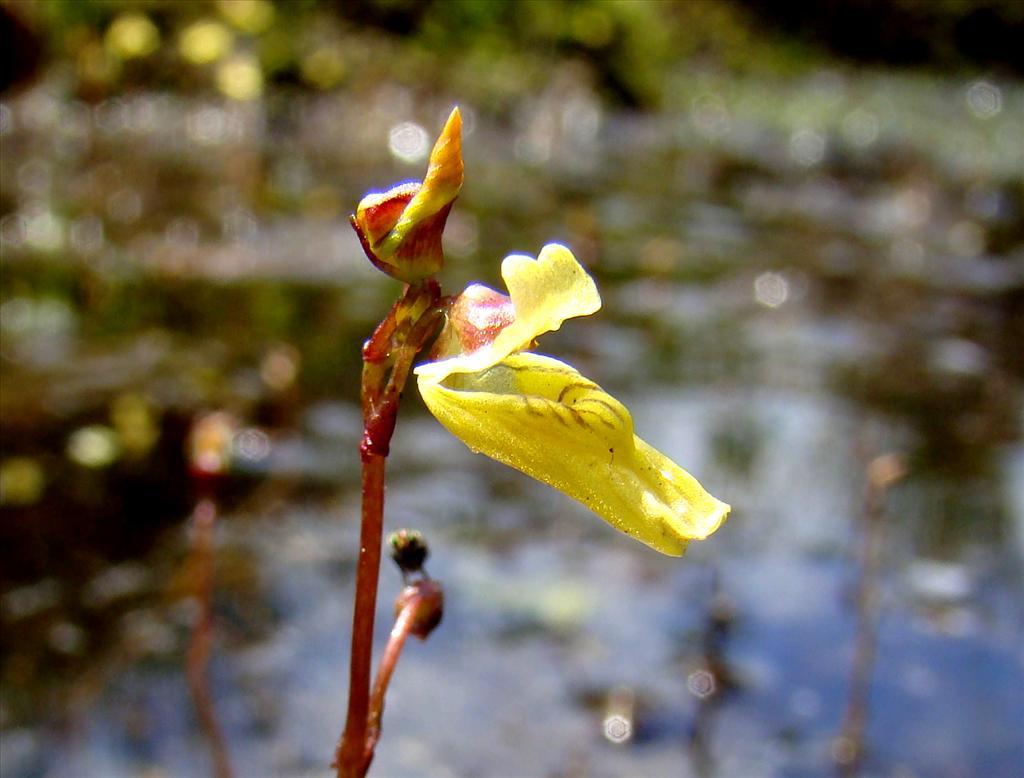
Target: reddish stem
(396,641)
(198,657)
(394,344)
(349,754)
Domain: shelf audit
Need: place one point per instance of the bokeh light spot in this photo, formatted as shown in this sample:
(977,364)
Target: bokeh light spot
(807,147)
(135,421)
(95,446)
(861,127)
(182,233)
(207,126)
(240,78)
(204,42)
(618,729)
(44,231)
(252,445)
(984,99)
(323,67)
(21,481)
(111,116)
(709,115)
(408,142)
(249,16)
(210,443)
(701,683)
(131,36)
(771,289)
(26,601)
(279,367)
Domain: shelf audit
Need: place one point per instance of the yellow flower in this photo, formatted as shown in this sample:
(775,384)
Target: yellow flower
(540,416)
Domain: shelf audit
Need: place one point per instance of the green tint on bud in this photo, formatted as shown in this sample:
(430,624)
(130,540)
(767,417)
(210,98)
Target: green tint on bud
(400,229)
(408,549)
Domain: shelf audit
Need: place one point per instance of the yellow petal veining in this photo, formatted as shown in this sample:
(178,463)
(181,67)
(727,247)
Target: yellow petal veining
(542,417)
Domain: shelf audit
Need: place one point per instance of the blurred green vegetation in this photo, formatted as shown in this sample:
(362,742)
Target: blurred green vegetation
(493,51)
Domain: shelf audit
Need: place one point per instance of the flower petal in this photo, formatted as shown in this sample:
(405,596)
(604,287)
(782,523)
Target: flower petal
(542,417)
(545,292)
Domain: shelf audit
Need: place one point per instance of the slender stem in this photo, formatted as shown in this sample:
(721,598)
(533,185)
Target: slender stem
(849,748)
(388,660)
(349,754)
(198,657)
(388,355)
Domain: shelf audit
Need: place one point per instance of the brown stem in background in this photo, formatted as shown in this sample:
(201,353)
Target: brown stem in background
(714,680)
(203,521)
(848,748)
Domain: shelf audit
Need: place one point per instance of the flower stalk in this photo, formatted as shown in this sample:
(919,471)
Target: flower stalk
(400,231)
(417,611)
(387,362)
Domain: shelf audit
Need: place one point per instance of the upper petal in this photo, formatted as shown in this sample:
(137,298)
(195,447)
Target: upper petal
(545,292)
(542,417)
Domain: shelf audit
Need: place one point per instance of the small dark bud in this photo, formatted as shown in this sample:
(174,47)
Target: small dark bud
(408,549)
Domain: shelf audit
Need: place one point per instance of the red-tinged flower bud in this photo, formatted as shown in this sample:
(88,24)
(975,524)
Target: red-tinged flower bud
(400,229)
(474,320)
(426,597)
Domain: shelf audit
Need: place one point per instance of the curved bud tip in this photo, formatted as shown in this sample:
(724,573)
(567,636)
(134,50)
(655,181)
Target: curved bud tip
(446,171)
(400,229)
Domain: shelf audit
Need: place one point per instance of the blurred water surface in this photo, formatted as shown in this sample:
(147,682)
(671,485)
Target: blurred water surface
(804,278)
